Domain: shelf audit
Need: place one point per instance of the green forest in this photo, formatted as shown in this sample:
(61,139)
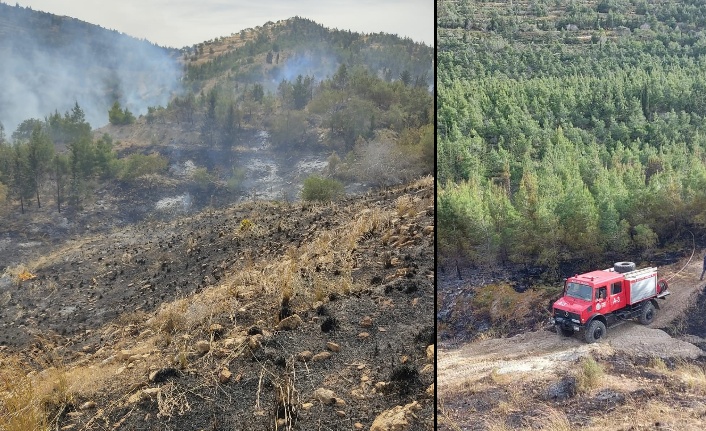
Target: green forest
(570,131)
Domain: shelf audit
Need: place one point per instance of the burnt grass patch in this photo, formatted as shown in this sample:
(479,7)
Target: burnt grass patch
(101,299)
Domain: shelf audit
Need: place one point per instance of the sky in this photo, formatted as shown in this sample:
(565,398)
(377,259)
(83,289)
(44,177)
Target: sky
(180,23)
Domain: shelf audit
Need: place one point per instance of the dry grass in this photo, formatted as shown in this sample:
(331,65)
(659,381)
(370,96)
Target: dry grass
(551,419)
(34,401)
(693,376)
(31,401)
(658,364)
(589,375)
(20,402)
(635,416)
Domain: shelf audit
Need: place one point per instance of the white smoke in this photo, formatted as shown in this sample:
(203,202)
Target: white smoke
(80,63)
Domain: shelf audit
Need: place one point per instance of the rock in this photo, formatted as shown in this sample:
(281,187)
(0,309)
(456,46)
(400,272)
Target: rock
(123,355)
(321,356)
(108,360)
(561,390)
(358,394)
(87,405)
(366,322)
(430,353)
(427,369)
(254,342)
(363,335)
(333,347)
(224,376)
(235,342)
(289,323)
(304,356)
(150,392)
(358,426)
(609,397)
(380,386)
(326,396)
(430,390)
(398,418)
(216,330)
(307,406)
(340,413)
(254,330)
(162,374)
(203,347)
(340,402)
(404,359)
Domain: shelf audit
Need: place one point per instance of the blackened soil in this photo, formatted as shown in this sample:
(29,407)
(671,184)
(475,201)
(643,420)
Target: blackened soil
(83,304)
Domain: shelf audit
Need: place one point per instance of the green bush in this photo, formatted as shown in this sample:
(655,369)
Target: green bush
(139,165)
(202,178)
(321,189)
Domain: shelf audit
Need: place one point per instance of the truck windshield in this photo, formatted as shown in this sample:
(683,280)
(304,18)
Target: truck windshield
(579,291)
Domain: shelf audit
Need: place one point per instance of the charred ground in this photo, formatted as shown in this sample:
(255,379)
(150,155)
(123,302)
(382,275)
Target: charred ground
(187,323)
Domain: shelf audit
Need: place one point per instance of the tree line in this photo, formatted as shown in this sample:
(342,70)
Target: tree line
(61,151)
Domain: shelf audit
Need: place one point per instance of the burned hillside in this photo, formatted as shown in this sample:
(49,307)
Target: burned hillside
(281,315)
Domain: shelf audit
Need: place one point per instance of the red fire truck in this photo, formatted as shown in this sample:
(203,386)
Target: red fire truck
(596,300)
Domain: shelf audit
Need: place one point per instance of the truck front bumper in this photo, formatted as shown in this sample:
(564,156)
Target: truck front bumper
(567,323)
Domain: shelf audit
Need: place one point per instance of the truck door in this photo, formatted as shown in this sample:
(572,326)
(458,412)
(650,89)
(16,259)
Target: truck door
(616,299)
(601,299)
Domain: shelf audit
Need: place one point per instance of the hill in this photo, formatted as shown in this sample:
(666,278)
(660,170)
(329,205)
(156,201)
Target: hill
(355,110)
(248,254)
(281,316)
(569,137)
(568,118)
(51,62)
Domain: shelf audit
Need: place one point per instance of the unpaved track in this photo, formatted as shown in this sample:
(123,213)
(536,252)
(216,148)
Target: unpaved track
(546,352)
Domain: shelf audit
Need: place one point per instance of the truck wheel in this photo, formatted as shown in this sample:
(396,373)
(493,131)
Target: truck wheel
(595,331)
(563,331)
(648,313)
(623,267)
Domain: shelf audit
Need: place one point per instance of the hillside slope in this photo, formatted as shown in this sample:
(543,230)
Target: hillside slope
(641,365)
(192,323)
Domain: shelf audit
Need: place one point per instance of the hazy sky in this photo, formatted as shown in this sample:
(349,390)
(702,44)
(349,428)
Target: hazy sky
(178,23)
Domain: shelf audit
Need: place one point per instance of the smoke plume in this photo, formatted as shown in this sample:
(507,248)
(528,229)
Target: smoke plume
(48,63)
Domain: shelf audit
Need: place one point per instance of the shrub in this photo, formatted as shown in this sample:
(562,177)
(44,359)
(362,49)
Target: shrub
(202,178)
(589,374)
(138,165)
(321,189)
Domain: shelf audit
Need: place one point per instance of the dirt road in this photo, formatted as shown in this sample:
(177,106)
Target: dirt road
(546,352)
